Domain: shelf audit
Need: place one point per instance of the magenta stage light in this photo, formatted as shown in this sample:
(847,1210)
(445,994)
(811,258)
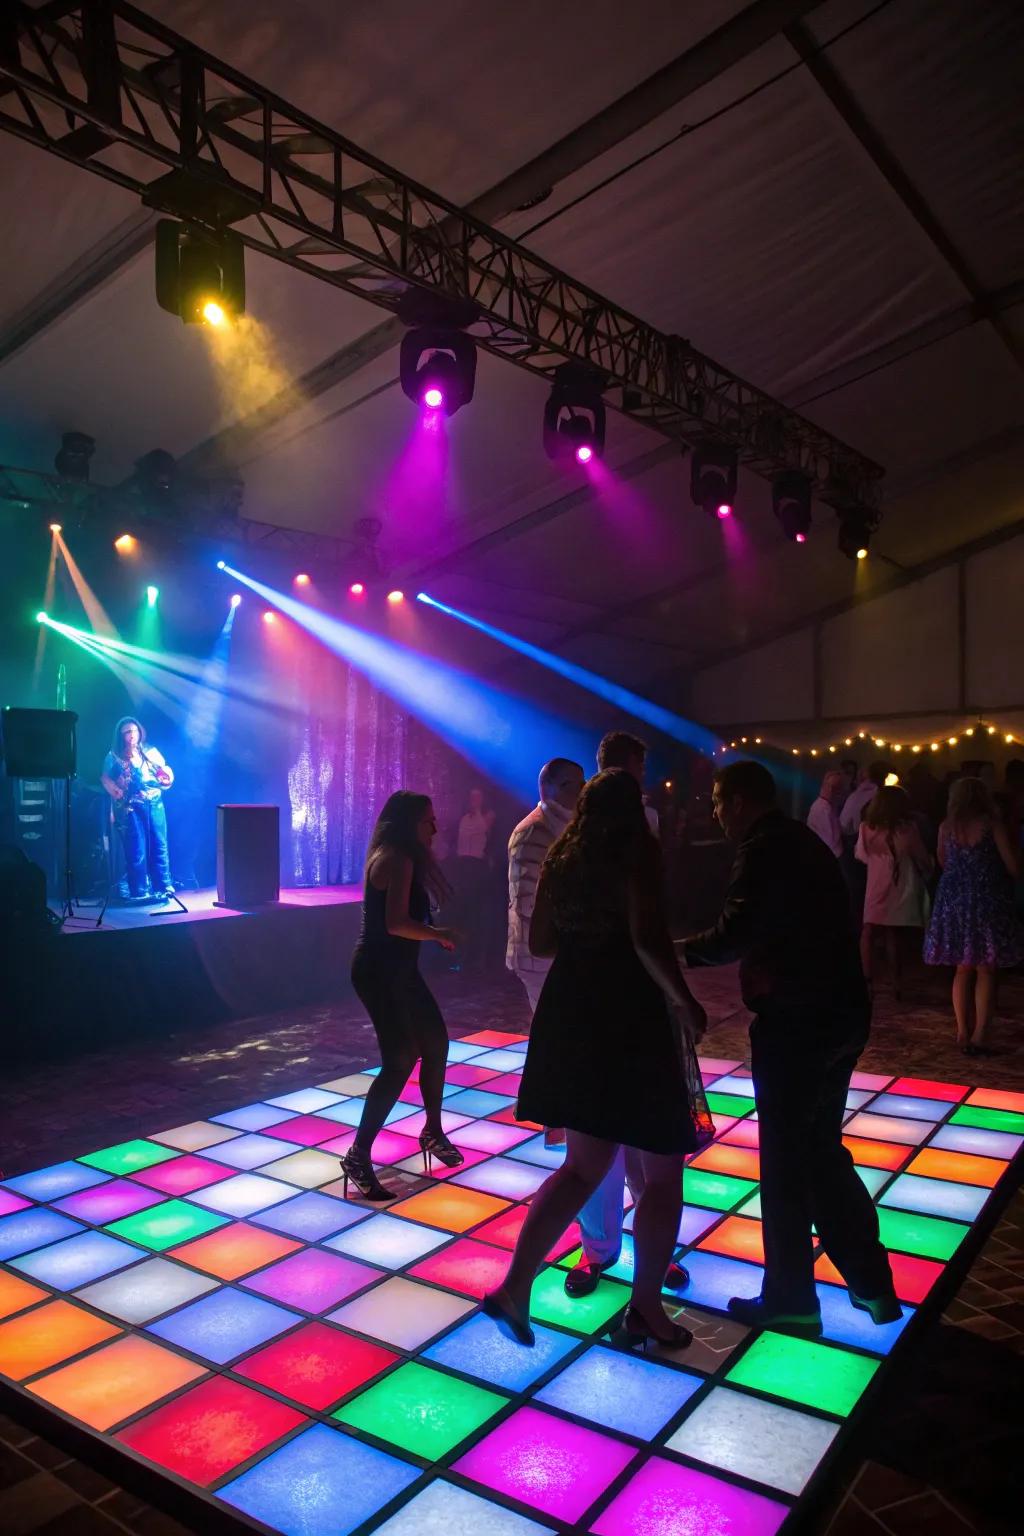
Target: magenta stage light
(723,509)
(357,589)
(584,453)
(433,398)
(801,538)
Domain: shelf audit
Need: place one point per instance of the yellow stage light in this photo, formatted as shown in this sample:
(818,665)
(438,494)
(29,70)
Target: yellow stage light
(891,779)
(952,741)
(862,553)
(125,544)
(55,527)
(214,313)
(302,580)
(1009,737)
(969,731)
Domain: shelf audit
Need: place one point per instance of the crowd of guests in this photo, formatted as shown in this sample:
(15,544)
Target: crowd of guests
(931,869)
(610,1065)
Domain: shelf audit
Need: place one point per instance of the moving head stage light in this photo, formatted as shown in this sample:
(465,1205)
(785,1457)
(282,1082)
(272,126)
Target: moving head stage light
(199,276)
(574,416)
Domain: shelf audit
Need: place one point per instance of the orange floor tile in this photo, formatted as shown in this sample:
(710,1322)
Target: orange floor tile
(17,1294)
(961,1167)
(235,1250)
(737,1236)
(46,1336)
(446,1206)
(740,1161)
(997,1098)
(117,1381)
(876,1154)
(912,1277)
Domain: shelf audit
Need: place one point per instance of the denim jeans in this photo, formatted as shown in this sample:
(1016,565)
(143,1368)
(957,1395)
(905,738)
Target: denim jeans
(144,836)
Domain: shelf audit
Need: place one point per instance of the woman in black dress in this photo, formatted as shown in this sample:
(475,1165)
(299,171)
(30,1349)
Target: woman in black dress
(401,877)
(604,1055)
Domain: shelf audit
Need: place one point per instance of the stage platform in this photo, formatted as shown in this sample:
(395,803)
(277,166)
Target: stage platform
(84,986)
(202,1313)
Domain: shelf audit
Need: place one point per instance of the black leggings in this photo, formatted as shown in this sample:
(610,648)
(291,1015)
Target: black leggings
(409,1028)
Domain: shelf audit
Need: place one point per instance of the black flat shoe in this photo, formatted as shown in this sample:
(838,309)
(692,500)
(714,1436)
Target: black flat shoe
(881,1309)
(437,1145)
(357,1168)
(498,1307)
(582,1279)
(756,1313)
(637,1333)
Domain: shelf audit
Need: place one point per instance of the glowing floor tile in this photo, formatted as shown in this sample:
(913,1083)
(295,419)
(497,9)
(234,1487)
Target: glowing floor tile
(420,1410)
(546,1462)
(401,1312)
(738,1238)
(17,1294)
(503,1176)
(244,1194)
(109,1201)
(54,1182)
(411,1093)
(466,1266)
(388,1241)
(146,1291)
(960,1167)
(444,1510)
(195,1136)
(717,1191)
(818,1375)
(869,1080)
(929,1088)
(44,1337)
(693,1222)
(388,1147)
(587,1314)
(928,1236)
(752,1438)
(717,1066)
(500,1061)
(33,1228)
(10,1202)
(309,1168)
(317,1365)
(252,1151)
(666,1499)
(210,1430)
(728,1105)
(224,1325)
(735,1085)
(714,1278)
(174,1221)
(116,1381)
(509,1117)
(742,1133)
(935,1197)
(966,1138)
(843,1323)
(620,1391)
(447,1206)
(478,1347)
(311,1217)
(504,1231)
(350,1112)
(307,1101)
(251,1117)
(738,1162)
(416,1165)
(876,1154)
(128,1156)
(495,1039)
(988,1119)
(463,1050)
(997,1098)
(322,1483)
(466,1074)
(889,1128)
(183,1175)
(910,1106)
(489,1136)
(305,1130)
(856,1098)
(415,1124)
(355,1083)
(313,1280)
(77,1260)
(234,1250)
(475,1101)
(912,1277)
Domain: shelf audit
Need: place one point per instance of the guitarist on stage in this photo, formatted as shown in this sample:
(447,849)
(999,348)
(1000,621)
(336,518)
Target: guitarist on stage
(135,777)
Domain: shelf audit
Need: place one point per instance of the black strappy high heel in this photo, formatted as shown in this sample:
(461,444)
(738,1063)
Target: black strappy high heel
(357,1168)
(434,1144)
(637,1333)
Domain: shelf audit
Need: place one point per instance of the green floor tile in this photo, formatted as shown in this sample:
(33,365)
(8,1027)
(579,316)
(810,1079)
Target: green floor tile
(129,1156)
(801,1371)
(928,1236)
(173,1221)
(967,1114)
(423,1411)
(718,1191)
(550,1304)
(729,1104)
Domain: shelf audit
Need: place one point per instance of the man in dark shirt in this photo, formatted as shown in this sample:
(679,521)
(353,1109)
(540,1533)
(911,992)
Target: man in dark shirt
(786,919)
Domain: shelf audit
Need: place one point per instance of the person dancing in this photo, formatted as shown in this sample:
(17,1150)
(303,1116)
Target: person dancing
(135,777)
(401,877)
(604,1055)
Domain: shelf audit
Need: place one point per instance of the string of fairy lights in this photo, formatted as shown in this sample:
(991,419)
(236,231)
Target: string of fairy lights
(978,731)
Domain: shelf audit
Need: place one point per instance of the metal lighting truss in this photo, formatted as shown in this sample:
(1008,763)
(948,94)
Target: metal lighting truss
(105,86)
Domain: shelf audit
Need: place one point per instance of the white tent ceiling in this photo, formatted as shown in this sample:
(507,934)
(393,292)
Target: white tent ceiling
(769,237)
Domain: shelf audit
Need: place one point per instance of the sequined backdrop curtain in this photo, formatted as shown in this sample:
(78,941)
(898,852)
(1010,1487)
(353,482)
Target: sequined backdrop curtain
(347,753)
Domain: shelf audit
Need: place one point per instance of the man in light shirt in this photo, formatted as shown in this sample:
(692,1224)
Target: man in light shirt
(852,814)
(823,816)
(559,786)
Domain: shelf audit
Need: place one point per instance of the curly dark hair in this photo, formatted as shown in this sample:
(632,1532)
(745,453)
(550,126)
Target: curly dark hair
(396,830)
(117,745)
(588,867)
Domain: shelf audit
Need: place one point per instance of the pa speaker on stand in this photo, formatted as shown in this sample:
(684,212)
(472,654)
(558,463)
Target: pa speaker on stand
(43,744)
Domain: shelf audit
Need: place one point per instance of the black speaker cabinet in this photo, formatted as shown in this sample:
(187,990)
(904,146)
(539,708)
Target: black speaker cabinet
(39,743)
(248,855)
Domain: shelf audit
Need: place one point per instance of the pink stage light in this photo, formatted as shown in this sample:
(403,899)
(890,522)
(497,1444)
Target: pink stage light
(433,398)
(724,510)
(396,597)
(801,538)
(584,453)
(357,589)
(269,618)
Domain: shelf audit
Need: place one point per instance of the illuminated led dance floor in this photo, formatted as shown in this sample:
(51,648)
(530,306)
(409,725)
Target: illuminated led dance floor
(207,1301)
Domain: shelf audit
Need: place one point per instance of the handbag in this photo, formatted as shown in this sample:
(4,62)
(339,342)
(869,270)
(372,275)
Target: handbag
(697,1100)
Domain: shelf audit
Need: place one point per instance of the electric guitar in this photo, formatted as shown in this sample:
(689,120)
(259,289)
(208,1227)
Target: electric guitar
(136,791)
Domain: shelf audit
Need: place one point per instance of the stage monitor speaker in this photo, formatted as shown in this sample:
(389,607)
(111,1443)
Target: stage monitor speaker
(39,743)
(248,855)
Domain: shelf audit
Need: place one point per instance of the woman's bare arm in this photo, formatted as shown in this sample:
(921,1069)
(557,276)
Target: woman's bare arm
(398,869)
